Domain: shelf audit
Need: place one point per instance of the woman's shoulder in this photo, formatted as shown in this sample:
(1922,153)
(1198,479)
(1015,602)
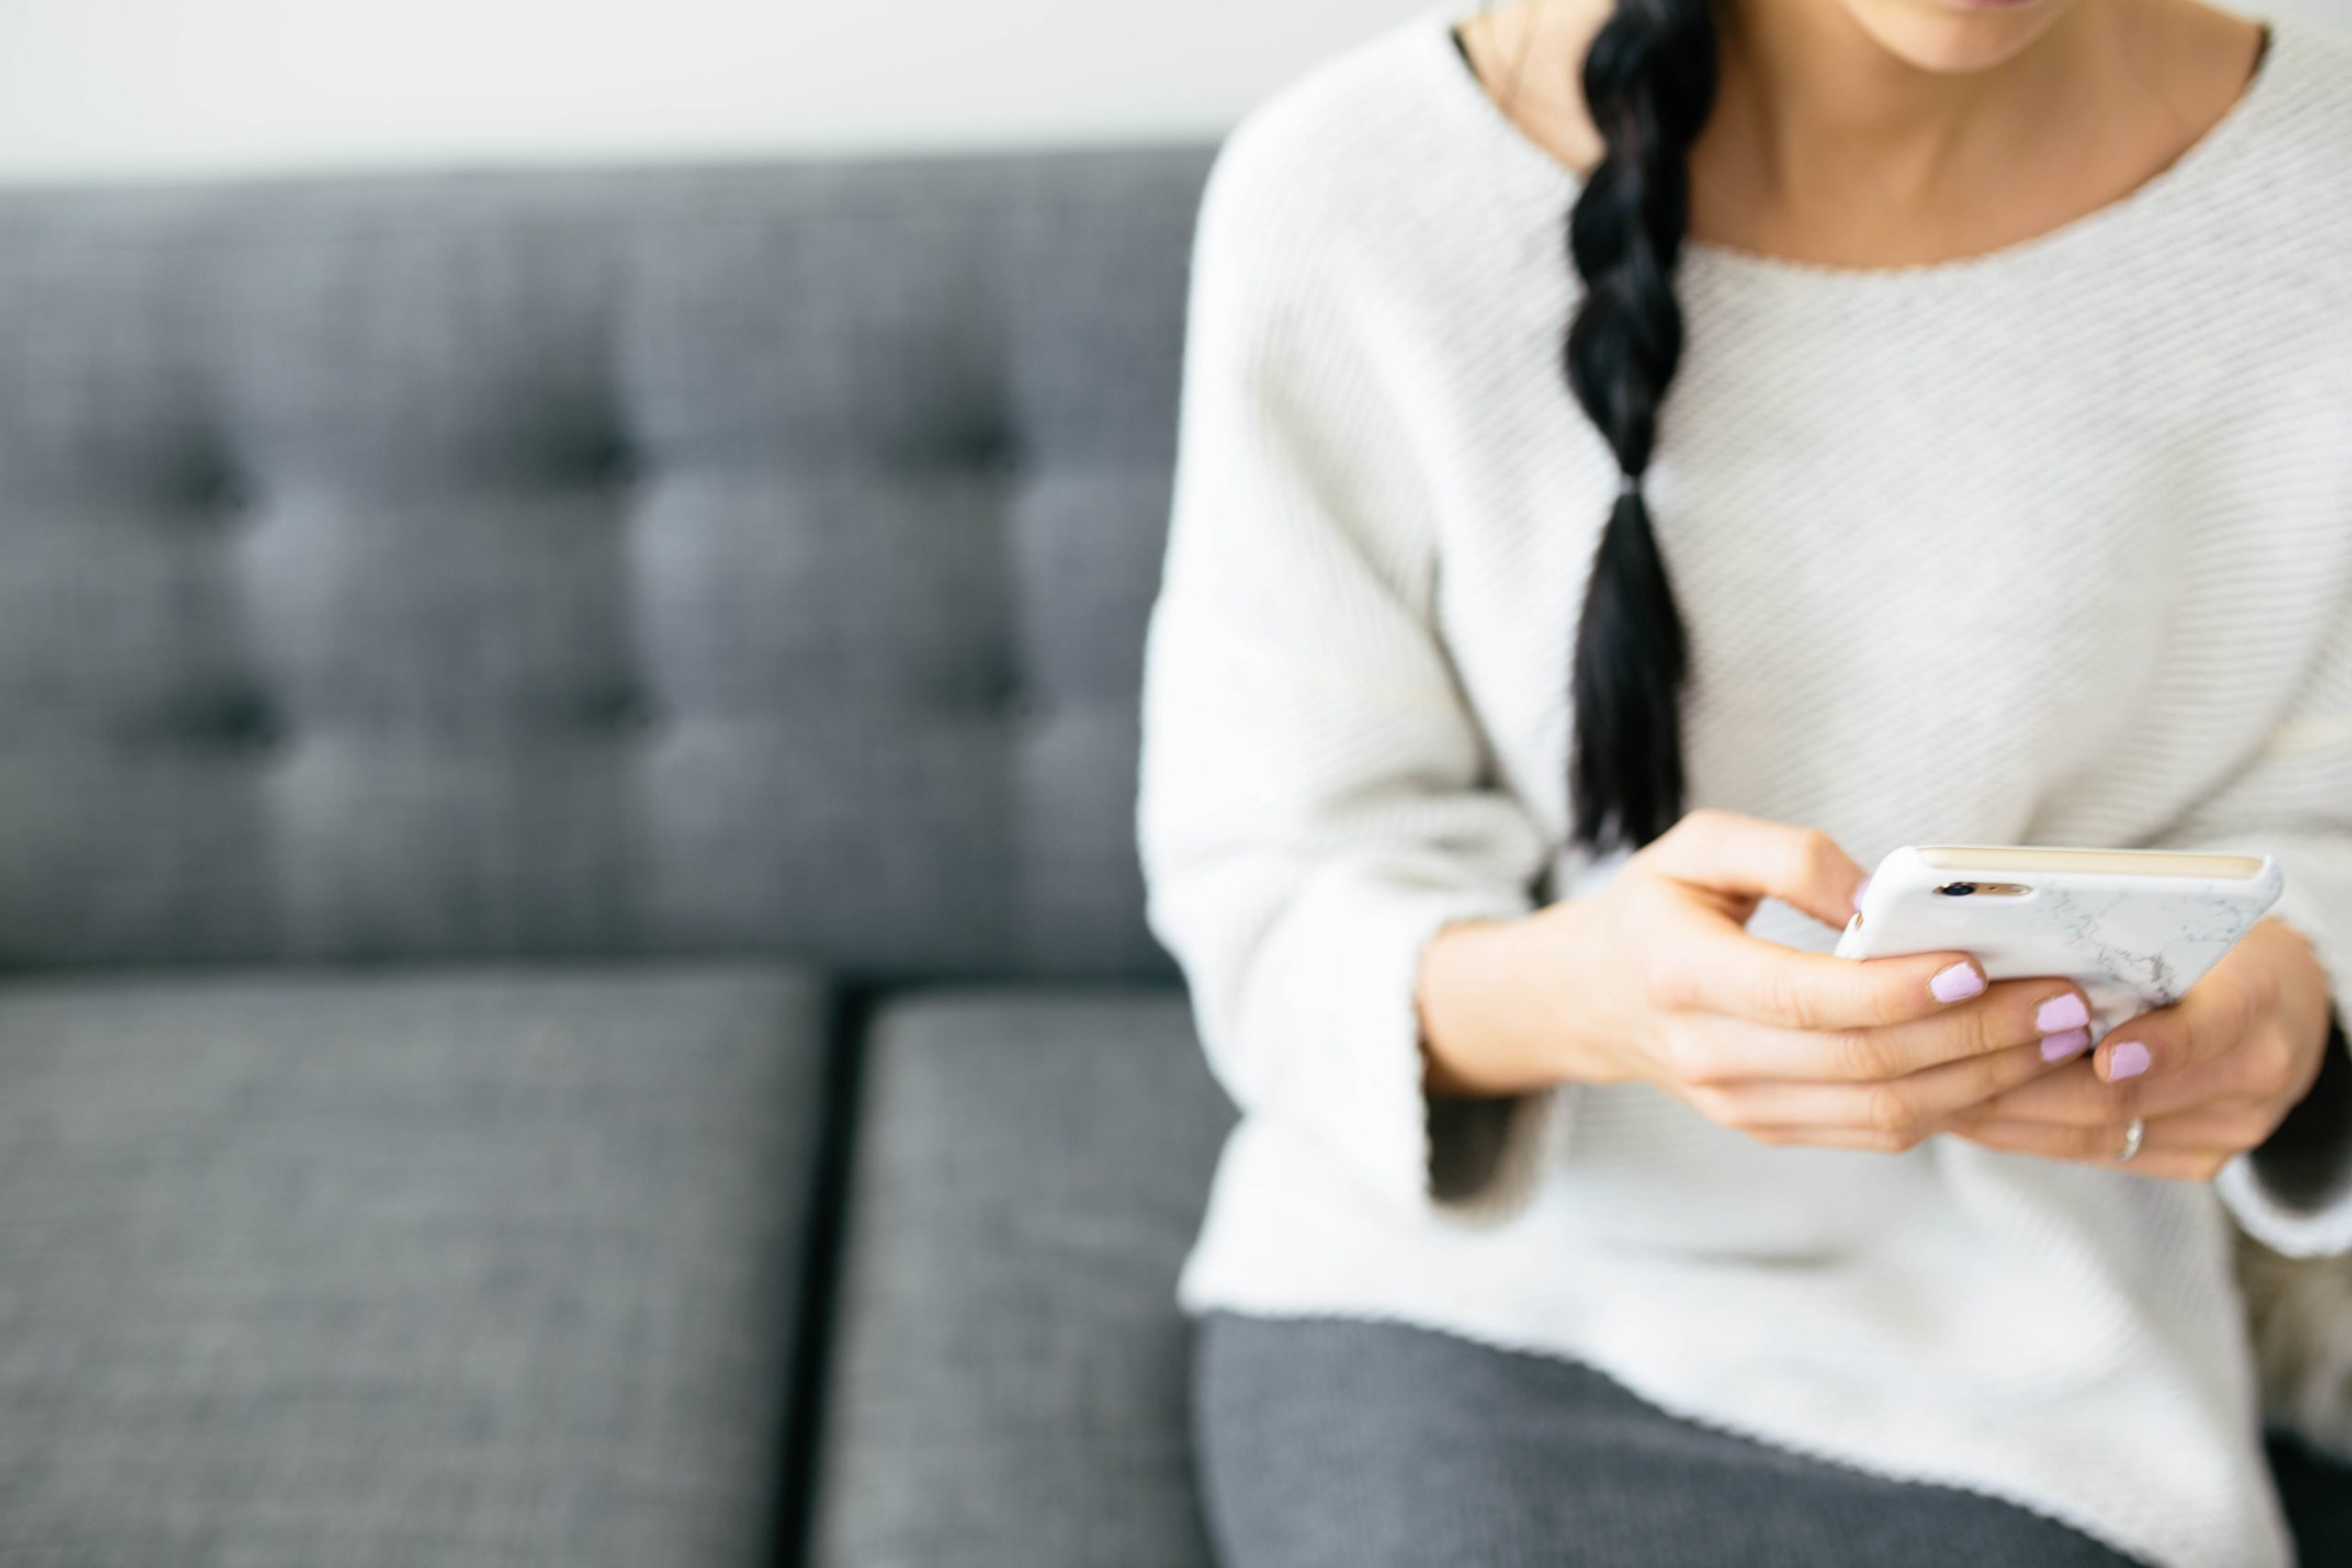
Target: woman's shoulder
(2325,52)
(2280,200)
(1339,146)
(2309,110)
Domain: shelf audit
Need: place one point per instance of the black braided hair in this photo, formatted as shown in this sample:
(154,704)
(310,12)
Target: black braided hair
(1649,81)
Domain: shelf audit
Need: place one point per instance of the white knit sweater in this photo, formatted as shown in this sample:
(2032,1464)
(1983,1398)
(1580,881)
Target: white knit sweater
(2049,546)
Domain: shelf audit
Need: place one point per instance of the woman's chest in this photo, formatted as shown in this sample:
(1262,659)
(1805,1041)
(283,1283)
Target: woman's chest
(1926,581)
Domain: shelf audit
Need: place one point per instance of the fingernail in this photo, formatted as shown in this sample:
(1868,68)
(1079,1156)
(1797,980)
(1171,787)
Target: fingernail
(2062,1012)
(1859,888)
(2058,1048)
(2127,1060)
(1956,984)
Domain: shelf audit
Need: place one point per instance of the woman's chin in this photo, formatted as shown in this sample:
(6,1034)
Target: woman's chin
(1951,37)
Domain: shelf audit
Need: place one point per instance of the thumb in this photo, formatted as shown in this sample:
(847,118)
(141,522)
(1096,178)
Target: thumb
(1752,858)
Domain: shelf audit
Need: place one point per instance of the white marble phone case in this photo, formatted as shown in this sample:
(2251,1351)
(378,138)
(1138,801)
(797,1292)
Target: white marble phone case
(2132,941)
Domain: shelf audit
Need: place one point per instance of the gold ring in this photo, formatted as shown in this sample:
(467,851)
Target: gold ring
(2135,1133)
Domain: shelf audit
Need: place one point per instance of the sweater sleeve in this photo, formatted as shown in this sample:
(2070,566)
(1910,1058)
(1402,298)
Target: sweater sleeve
(2293,801)
(1312,802)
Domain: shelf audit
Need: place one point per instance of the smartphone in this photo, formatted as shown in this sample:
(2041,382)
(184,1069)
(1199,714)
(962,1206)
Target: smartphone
(2135,929)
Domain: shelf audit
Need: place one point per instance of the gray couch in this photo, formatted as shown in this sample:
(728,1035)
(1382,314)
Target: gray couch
(572,985)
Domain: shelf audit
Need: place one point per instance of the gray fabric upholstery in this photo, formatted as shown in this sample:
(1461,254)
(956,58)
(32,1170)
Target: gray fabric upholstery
(654,560)
(1010,1368)
(401,1270)
(605,581)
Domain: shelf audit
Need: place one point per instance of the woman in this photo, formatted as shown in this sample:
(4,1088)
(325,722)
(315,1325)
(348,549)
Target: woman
(1637,467)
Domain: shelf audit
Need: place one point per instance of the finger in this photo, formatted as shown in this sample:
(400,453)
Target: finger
(1752,858)
(2076,1096)
(2222,1129)
(1909,1106)
(2168,1149)
(1729,972)
(1854,1138)
(2051,1014)
(2207,1023)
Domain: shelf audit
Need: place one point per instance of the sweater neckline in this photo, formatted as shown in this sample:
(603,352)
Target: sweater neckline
(2210,156)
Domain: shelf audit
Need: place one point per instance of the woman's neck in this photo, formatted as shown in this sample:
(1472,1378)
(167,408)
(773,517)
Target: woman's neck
(1815,97)
(1825,145)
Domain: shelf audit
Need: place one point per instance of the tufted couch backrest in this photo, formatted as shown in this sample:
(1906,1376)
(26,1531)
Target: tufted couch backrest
(745,559)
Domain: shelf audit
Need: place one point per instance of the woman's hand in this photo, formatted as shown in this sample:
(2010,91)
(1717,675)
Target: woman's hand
(1655,979)
(2212,1076)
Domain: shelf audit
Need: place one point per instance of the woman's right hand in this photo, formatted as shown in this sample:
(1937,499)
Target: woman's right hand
(1655,979)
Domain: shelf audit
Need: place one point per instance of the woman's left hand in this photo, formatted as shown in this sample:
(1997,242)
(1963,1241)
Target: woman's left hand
(2211,1075)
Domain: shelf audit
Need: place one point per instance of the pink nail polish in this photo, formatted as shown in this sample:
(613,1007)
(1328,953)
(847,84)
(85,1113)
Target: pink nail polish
(2072,1043)
(1859,888)
(2127,1060)
(2061,1013)
(1956,984)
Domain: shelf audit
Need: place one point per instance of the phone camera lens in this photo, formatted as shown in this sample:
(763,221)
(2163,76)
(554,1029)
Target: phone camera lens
(1957,889)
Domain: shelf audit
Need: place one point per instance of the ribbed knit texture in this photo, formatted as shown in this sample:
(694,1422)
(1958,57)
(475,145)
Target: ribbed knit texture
(2050,546)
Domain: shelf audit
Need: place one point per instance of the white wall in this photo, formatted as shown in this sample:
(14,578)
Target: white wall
(132,88)
(107,87)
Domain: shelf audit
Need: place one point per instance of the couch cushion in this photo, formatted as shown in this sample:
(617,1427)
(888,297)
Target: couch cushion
(1009,1380)
(340,1270)
(589,562)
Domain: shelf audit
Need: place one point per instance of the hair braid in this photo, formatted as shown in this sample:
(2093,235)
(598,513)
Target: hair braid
(1649,81)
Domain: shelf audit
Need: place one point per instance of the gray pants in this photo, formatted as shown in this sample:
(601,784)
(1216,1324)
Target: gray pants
(1364,1445)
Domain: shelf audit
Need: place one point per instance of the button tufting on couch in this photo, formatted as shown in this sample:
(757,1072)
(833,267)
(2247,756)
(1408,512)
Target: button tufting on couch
(505,676)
